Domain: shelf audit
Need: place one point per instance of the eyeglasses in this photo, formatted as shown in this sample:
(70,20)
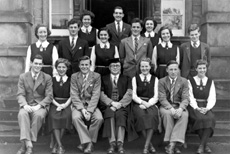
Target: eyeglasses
(115,65)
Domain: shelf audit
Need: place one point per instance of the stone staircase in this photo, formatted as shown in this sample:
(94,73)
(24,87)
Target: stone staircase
(9,129)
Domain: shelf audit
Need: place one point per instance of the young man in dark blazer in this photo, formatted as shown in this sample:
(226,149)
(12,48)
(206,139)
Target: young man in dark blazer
(116,94)
(192,51)
(173,95)
(72,48)
(35,93)
(118,28)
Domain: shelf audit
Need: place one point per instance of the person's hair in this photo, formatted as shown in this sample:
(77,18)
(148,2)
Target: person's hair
(37,56)
(171,62)
(193,27)
(152,19)
(74,21)
(62,60)
(84,58)
(146,59)
(41,25)
(118,7)
(137,20)
(89,13)
(163,28)
(104,29)
(201,62)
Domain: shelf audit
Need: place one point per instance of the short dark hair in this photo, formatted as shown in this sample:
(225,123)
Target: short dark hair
(104,29)
(152,19)
(89,13)
(201,62)
(84,58)
(62,60)
(118,7)
(137,20)
(171,62)
(37,56)
(74,21)
(193,27)
(163,28)
(39,26)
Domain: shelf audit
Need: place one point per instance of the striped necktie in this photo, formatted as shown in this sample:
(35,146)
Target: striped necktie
(172,90)
(83,86)
(115,80)
(136,44)
(72,43)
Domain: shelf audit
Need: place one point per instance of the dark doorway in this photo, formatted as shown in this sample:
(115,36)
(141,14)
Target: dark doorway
(103,10)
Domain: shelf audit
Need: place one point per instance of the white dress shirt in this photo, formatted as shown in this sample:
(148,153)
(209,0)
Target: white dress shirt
(93,54)
(137,99)
(212,93)
(197,44)
(44,45)
(120,24)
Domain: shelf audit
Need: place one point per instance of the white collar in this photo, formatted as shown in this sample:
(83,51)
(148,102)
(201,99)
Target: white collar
(44,44)
(112,76)
(152,34)
(138,37)
(197,43)
(121,22)
(83,28)
(172,79)
(64,78)
(148,76)
(33,74)
(102,45)
(163,44)
(71,37)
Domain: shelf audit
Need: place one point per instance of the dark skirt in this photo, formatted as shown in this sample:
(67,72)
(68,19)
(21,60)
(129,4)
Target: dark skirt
(120,118)
(145,119)
(198,120)
(59,119)
(161,71)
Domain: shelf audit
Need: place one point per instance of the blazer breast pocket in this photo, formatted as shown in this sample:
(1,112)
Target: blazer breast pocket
(41,89)
(90,88)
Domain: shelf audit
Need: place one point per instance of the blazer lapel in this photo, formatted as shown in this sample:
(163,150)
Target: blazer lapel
(38,81)
(187,48)
(113,26)
(177,85)
(89,80)
(130,43)
(29,80)
(140,43)
(168,83)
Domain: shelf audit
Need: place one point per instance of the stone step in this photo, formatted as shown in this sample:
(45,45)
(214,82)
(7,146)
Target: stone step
(222,88)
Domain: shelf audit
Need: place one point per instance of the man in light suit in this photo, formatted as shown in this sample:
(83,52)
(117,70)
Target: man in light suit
(73,47)
(192,51)
(134,48)
(34,95)
(85,93)
(116,95)
(118,28)
(174,99)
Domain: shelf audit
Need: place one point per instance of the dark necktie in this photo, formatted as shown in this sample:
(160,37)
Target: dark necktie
(172,90)
(105,46)
(83,86)
(166,46)
(61,81)
(194,44)
(201,84)
(118,28)
(115,80)
(145,80)
(136,44)
(148,35)
(41,48)
(34,78)
(72,43)
(87,31)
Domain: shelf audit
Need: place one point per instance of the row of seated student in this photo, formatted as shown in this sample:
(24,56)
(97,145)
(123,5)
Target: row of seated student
(127,106)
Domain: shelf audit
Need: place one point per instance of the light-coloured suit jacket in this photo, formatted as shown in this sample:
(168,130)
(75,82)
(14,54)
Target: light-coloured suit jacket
(92,91)
(41,91)
(127,54)
(186,61)
(181,92)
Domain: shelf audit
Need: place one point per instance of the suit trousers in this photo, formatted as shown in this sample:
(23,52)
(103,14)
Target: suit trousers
(30,123)
(175,129)
(120,132)
(86,134)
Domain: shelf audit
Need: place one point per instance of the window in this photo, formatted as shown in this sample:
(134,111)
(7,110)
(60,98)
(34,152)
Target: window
(173,14)
(60,12)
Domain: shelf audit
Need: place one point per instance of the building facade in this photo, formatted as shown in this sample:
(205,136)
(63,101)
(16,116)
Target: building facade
(18,19)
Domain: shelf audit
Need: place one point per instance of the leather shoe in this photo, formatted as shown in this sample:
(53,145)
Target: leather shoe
(81,147)
(54,150)
(177,150)
(60,150)
(169,149)
(89,148)
(120,148)
(145,150)
(111,148)
(200,150)
(22,150)
(151,148)
(29,150)
(207,149)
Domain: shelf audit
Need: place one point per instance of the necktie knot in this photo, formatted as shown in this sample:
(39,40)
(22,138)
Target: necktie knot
(166,46)
(105,46)
(41,48)
(195,44)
